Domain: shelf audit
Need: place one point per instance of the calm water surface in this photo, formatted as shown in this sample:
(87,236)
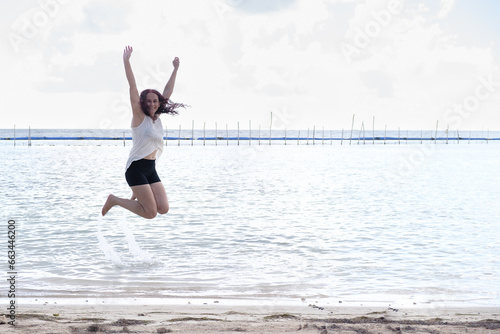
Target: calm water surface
(416,222)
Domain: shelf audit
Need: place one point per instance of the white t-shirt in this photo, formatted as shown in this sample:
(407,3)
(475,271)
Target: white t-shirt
(146,138)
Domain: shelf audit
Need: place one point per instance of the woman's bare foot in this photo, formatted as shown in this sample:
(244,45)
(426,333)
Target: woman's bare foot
(110,202)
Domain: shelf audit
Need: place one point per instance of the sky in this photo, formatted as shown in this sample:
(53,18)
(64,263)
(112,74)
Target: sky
(396,63)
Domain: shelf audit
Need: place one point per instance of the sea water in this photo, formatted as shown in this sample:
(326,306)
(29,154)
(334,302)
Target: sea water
(414,222)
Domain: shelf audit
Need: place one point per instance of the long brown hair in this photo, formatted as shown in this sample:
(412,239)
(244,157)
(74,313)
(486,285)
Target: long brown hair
(166,107)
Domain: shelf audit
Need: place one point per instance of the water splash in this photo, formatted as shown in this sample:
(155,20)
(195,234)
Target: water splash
(134,248)
(105,247)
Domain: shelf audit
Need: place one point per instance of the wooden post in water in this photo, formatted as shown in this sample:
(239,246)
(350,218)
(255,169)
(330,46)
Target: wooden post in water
(179,137)
(406,137)
(364,137)
(323,141)
(488,136)
(238,133)
(192,133)
(285,136)
(469,135)
(215,133)
(352,127)
(458,137)
(421,136)
(227,136)
(123,138)
(385,133)
(250,132)
(373,133)
(29,135)
(14,135)
(298,138)
(447,132)
(399,136)
(360,131)
(342,137)
(166,135)
(270,128)
(204,133)
(436,134)
(314,135)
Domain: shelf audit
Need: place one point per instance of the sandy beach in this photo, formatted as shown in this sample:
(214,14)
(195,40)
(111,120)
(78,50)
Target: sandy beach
(219,316)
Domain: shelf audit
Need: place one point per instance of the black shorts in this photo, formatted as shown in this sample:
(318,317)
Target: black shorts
(142,172)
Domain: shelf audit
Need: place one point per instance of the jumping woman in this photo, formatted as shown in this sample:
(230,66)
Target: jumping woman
(148,194)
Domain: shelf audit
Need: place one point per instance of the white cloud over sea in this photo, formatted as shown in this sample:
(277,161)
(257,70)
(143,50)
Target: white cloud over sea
(310,62)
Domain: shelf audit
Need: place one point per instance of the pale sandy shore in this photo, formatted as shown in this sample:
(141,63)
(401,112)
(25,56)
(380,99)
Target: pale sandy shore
(219,316)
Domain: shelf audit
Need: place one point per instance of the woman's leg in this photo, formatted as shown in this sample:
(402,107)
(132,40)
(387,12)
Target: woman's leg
(160,197)
(145,205)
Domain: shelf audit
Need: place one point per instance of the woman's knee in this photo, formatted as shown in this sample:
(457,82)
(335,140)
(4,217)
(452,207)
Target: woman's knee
(150,213)
(163,209)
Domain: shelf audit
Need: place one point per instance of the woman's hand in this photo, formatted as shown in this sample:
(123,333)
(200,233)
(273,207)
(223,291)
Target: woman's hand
(176,62)
(134,93)
(127,52)
(169,87)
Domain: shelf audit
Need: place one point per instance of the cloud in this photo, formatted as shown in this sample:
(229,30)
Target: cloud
(102,76)
(267,53)
(283,55)
(106,17)
(446,8)
(379,81)
(260,6)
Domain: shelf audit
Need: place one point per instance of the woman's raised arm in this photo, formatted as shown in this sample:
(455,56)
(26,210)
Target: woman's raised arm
(134,93)
(169,87)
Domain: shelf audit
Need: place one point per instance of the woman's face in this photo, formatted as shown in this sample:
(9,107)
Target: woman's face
(152,103)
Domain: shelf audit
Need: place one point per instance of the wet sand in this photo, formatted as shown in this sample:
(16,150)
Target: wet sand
(221,317)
